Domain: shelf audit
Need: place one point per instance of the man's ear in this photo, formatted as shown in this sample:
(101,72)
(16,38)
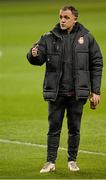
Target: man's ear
(75,20)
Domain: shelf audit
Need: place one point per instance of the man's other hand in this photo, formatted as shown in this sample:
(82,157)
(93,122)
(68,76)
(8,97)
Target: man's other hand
(94,100)
(35,51)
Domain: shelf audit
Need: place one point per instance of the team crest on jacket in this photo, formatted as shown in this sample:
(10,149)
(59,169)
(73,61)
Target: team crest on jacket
(81,40)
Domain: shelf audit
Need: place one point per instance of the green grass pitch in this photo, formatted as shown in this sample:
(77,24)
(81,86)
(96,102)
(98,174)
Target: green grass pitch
(23,112)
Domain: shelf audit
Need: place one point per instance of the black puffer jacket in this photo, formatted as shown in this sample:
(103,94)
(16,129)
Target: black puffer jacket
(87,62)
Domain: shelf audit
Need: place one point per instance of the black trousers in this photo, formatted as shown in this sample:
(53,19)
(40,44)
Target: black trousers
(74,109)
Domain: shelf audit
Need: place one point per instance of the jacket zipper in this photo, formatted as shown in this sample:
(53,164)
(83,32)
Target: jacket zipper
(60,68)
(74,61)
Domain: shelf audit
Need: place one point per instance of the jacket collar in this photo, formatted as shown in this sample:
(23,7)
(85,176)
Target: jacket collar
(58,32)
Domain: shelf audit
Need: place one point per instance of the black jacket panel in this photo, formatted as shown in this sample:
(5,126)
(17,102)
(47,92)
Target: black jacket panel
(86,57)
(96,64)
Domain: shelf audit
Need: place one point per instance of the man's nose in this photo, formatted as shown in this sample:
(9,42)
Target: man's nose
(63,20)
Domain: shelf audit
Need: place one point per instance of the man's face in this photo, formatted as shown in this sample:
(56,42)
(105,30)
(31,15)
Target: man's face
(67,20)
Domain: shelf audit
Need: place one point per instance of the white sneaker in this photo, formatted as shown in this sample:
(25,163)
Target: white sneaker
(48,167)
(73,166)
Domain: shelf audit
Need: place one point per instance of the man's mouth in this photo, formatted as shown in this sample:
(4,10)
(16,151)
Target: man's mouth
(63,25)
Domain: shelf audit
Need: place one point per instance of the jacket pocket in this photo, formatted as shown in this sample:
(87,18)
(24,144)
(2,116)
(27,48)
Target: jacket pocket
(82,60)
(50,81)
(52,62)
(83,79)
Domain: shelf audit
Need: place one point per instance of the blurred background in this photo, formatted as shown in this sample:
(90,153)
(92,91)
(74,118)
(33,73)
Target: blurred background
(23,112)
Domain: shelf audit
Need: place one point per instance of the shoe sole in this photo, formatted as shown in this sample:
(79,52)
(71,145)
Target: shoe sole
(51,170)
(73,170)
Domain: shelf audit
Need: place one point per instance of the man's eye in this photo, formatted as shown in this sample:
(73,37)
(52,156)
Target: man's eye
(66,17)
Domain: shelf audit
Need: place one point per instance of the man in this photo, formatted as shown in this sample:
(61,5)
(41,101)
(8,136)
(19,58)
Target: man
(73,74)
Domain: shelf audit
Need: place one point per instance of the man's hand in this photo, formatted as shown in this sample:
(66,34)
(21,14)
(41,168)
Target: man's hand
(94,100)
(35,51)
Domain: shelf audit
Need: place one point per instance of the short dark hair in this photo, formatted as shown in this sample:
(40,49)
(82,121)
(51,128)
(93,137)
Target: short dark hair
(72,9)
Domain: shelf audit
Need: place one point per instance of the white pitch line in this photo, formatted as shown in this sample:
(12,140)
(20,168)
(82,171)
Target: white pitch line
(1,53)
(5,141)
